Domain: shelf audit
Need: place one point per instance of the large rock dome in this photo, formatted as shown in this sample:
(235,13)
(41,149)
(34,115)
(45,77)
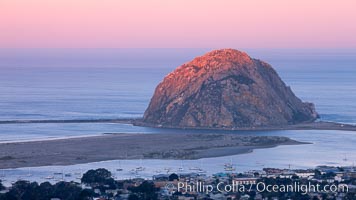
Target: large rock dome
(225,89)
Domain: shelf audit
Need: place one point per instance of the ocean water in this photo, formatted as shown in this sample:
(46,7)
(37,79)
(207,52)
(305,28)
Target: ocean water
(118,83)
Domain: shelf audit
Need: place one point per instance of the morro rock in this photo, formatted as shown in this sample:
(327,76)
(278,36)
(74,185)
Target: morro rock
(225,89)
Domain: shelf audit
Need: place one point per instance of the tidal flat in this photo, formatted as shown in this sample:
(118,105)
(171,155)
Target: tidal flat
(116,146)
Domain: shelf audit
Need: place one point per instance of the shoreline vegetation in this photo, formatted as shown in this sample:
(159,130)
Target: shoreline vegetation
(119,146)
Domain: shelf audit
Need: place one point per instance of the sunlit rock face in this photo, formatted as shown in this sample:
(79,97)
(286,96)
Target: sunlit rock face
(225,89)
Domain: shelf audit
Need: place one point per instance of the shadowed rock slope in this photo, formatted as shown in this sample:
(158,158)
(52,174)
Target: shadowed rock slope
(225,89)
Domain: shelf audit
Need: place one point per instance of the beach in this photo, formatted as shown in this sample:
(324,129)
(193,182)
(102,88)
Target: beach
(132,146)
(319,125)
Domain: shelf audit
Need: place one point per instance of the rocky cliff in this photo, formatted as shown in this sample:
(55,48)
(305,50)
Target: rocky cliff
(225,89)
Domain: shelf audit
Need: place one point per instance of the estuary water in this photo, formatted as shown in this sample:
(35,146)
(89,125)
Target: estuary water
(118,83)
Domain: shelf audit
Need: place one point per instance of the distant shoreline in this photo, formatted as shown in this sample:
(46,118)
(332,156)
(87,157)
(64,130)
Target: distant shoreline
(59,121)
(320,125)
(132,146)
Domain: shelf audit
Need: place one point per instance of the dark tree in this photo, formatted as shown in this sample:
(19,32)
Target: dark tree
(67,190)
(173,177)
(145,191)
(330,175)
(96,177)
(108,184)
(133,197)
(2,187)
(87,194)
(23,190)
(317,173)
(45,191)
(315,198)
(294,177)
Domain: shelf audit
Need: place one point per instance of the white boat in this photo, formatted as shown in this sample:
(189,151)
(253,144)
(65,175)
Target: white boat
(229,165)
(79,174)
(229,169)
(181,168)
(201,171)
(119,169)
(140,169)
(49,177)
(29,173)
(194,168)
(345,158)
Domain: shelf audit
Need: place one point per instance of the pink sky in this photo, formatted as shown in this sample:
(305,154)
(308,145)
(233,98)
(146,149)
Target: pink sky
(177,23)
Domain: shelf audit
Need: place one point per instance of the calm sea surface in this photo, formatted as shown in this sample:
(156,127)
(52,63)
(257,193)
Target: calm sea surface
(118,83)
